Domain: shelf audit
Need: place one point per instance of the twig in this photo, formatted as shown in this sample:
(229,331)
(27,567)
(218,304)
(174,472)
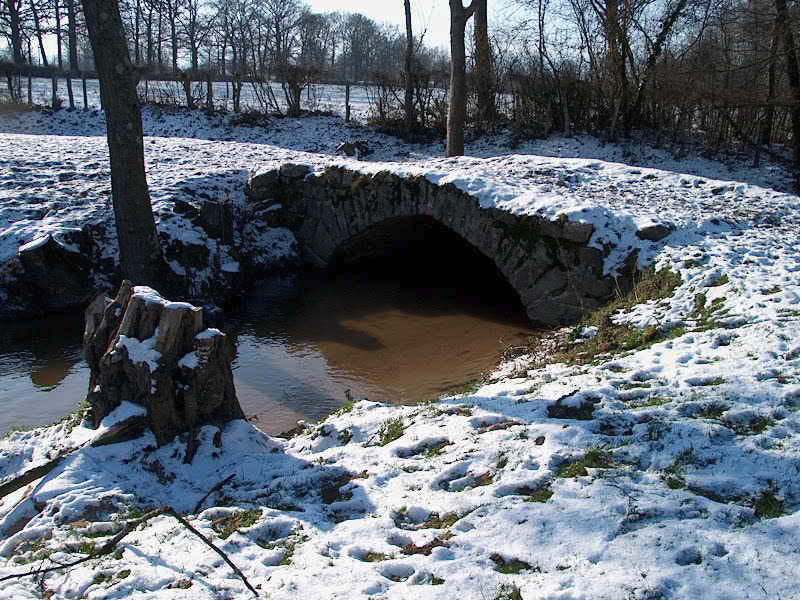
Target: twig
(216,549)
(129,527)
(214,488)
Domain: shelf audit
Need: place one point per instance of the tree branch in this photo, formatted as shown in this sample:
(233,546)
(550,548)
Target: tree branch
(129,527)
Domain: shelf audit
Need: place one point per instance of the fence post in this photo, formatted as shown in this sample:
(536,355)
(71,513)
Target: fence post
(347,102)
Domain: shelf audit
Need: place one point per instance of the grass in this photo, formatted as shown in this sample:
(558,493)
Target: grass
(508,590)
(654,401)
(713,411)
(583,412)
(391,430)
(226,526)
(374,557)
(535,495)
(616,338)
(703,313)
(720,280)
(438,523)
(594,458)
(513,566)
(469,387)
(768,506)
(437,449)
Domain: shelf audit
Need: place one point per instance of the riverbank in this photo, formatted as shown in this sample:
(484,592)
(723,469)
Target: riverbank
(667,468)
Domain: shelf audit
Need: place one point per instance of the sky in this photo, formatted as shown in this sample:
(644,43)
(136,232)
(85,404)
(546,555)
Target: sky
(432,15)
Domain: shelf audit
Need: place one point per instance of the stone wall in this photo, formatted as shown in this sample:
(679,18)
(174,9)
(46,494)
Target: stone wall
(557,276)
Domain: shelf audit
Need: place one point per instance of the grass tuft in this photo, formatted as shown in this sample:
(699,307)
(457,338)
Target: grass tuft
(513,566)
(226,526)
(594,458)
(768,506)
(391,430)
(616,338)
(508,590)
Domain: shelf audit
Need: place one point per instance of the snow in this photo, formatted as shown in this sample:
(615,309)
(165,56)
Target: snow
(190,360)
(697,430)
(35,243)
(141,351)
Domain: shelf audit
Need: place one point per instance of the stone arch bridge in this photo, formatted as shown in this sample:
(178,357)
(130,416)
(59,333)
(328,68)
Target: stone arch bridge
(345,215)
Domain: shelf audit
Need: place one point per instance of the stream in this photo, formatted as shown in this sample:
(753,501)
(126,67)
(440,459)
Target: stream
(302,340)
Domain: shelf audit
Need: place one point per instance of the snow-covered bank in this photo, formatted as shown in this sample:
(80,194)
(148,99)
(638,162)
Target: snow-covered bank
(670,471)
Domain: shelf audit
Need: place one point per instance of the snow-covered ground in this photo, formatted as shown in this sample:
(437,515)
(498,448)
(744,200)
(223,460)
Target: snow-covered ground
(675,476)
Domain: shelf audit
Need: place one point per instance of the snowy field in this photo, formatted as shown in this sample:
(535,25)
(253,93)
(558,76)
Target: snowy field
(318,97)
(671,471)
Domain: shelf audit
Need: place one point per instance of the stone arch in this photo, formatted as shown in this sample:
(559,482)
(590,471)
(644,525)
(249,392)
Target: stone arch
(549,264)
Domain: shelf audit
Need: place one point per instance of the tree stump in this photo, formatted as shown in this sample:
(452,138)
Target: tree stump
(145,349)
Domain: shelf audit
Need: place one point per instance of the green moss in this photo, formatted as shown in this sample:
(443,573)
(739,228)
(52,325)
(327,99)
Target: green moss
(435,581)
(391,430)
(674,482)
(720,280)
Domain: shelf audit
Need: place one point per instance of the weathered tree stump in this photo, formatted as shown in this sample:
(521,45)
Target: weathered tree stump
(156,353)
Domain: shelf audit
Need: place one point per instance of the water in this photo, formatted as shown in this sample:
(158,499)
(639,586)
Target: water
(302,340)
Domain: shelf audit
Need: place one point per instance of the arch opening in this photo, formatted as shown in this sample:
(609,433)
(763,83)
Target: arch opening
(420,252)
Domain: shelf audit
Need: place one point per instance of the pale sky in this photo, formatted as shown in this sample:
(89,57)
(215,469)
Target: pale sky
(432,15)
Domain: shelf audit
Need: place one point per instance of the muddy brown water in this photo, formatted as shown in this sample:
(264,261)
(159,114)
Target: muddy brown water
(302,340)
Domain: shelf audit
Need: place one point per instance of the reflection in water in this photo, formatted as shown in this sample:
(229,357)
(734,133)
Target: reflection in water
(397,333)
(42,374)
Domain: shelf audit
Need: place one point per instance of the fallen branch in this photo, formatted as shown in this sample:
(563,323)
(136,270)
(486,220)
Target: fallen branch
(214,488)
(111,545)
(127,429)
(16,482)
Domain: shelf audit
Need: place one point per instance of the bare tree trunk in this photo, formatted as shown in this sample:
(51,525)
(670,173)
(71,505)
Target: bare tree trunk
(58,37)
(792,65)
(347,102)
(457,92)
(54,102)
(137,18)
(140,253)
(409,108)
(38,30)
(12,9)
(485,84)
(83,86)
(72,40)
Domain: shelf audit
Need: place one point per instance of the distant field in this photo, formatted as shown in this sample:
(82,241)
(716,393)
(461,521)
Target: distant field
(317,97)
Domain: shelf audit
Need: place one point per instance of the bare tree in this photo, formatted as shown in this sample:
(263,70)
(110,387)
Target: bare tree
(457,92)
(409,84)
(483,67)
(140,253)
